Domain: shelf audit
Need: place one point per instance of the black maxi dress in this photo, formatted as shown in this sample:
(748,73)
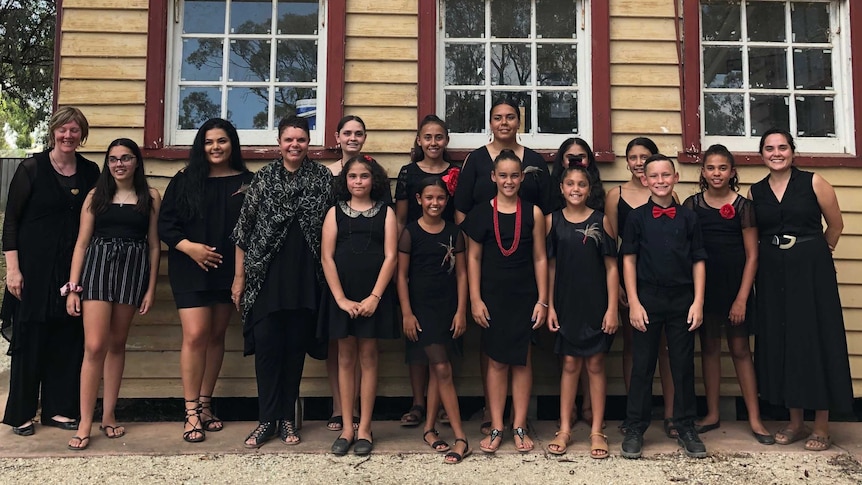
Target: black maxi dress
(508,285)
(801,346)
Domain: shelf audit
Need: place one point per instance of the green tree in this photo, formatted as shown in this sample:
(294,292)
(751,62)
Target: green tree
(26,61)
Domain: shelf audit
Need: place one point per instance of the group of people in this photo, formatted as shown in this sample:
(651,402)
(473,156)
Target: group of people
(320,261)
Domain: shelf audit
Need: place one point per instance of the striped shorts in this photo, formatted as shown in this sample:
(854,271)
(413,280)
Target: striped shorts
(116,270)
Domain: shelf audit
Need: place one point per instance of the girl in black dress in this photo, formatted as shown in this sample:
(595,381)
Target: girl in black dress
(201,208)
(116,259)
(359,253)
(801,347)
(730,238)
(432,288)
(429,158)
(584,290)
(508,273)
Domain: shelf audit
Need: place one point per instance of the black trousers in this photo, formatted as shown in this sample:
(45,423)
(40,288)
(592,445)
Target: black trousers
(667,308)
(281,341)
(46,356)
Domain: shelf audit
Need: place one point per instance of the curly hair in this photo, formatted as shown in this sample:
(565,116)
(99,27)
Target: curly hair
(719,151)
(379,178)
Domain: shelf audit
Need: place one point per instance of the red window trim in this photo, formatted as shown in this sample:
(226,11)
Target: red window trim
(691,86)
(157,58)
(601,81)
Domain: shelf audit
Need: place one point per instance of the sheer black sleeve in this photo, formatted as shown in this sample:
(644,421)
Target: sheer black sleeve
(405,242)
(170,223)
(401,185)
(19,195)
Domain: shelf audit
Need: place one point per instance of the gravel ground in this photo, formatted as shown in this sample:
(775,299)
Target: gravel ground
(426,468)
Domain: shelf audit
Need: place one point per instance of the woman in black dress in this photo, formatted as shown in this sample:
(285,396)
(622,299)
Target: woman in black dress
(200,210)
(278,279)
(801,345)
(39,232)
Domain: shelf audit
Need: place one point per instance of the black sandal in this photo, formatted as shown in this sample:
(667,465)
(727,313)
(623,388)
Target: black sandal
(213,424)
(264,432)
(437,443)
(194,412)
(459,457)
(287,429)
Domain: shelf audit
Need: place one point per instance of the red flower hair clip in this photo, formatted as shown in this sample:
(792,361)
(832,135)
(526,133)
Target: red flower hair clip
(368,158)
(451,179)
(727,211)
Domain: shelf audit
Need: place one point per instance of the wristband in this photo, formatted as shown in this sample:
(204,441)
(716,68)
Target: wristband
(543,304)
(375,296)
(70,288)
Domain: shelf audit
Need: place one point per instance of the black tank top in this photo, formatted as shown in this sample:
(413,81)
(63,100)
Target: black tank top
(121,221)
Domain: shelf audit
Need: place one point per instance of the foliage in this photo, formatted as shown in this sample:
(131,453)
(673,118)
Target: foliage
(26,62)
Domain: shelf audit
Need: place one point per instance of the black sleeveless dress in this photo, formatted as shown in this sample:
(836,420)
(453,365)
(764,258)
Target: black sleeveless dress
(801,345)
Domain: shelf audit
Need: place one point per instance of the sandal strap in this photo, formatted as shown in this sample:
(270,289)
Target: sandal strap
(464,440)
(262,429)
(432,430)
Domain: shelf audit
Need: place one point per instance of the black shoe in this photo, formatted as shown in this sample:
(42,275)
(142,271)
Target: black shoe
(263,433)
(703,428)
(633,444)
(691,443)
(28,430)
(286,431)
(764,439)
(363,447)
(341,445)
(64,425)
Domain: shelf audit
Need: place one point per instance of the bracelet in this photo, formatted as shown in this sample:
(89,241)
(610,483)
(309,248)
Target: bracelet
(543,304)
(70,288)
(375,296)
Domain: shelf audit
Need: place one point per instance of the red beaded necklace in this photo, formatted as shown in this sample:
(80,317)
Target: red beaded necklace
(510,251)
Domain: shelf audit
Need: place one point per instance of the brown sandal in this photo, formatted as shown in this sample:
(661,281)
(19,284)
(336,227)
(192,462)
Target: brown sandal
(602,446)
(816,442)
(561,444)
(786,436)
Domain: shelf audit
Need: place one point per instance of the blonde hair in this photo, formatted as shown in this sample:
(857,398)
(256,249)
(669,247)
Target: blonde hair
(68,114)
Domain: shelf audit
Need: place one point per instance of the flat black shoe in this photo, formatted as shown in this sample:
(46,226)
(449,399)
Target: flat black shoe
(691,443)
(260,435)
(703,428)
(28,430)
(633,444)
(764,439)
(363,447)
(64,425)
(341,446)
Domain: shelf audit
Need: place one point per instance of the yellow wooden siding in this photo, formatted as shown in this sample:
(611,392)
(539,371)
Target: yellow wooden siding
(102,70)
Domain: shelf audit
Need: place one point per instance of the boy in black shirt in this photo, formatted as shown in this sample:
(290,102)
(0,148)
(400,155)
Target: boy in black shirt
(665,276)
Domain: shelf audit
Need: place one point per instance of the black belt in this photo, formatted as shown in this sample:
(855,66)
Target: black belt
(787,241)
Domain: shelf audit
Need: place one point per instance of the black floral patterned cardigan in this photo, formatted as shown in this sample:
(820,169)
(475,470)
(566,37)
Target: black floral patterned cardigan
(273,199)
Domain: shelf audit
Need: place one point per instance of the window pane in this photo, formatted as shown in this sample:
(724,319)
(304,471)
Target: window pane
(465,18)
(810,22)
(769,112)
(250,17)
(557,64)
(767,68)
(203,17)
(249,60)
(815,116)
(720,21)
(297,17)
(286,100)
(725,114)
(510,18)
(812,69)
(197,105)
(248,108)
(722,67)
(465,65)
(296,61)
(510,65)
(558,112)
(766,22)
(523,100)
(465,111)
(556,18)
(202,60)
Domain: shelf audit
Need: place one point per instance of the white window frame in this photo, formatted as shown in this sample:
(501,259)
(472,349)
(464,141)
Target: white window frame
(532,139)
(842,89)
(179,137)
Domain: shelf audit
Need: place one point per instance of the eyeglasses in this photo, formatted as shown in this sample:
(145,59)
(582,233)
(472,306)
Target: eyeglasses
(125,159)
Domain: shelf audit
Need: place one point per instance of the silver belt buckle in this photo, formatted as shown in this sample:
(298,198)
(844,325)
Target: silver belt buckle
(777,240)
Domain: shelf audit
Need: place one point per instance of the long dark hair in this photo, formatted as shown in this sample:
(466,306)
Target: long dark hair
(596,200)
(643,142)
(191,194)
(379,179)
(416,153)
(106,186)
(722,151)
